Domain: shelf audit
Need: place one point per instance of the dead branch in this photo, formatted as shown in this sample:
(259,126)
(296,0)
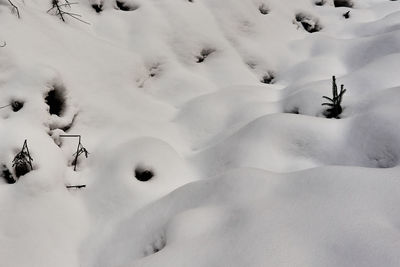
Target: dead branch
(59,9)
(76,186)
(14,8)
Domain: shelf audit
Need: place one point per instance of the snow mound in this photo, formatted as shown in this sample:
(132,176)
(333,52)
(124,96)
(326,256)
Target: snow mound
(191,133)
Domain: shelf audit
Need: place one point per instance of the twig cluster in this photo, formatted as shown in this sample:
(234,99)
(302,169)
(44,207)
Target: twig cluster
(334,104)
(61,8)
(23,161)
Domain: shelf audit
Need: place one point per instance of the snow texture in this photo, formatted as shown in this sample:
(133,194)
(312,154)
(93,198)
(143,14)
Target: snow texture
(207,140)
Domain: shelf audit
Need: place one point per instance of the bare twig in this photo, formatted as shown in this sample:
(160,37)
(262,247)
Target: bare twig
(79,150)
(58,8)
(5,106)
(23,161)
(14,8)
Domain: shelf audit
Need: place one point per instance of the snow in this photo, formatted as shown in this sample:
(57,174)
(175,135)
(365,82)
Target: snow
(221,101)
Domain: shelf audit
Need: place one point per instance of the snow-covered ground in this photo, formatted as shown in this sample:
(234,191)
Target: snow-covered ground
(221,101)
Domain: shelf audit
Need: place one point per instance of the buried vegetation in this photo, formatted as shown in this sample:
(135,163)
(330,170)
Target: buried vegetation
(334,104)
(308,22)
(22,162)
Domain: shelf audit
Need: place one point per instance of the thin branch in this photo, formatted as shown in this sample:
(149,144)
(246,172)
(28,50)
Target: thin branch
(76,186)
(5,106)
(79,150)
(61,13)
(14,8)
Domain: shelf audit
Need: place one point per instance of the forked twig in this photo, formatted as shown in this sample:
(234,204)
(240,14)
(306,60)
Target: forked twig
(79,150)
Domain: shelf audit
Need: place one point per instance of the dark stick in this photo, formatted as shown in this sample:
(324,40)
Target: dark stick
(29,155)
(75,162)
(76,186)
(14,8)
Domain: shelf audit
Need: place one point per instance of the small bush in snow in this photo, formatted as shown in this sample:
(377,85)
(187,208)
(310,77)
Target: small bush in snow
(335,108)
(22,162)
(61,9)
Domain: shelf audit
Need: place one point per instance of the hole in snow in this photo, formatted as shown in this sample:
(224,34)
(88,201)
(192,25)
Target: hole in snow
(122,5)
(263,8)
(347,15)
(97,7)
(320,3)
(159,243)
(268,78)
(16,105)
(204,54)
(343,3)
(55,99)
(7,175)
(309,23)
(143,174)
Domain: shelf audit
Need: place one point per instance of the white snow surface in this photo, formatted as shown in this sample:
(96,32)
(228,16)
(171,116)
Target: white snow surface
(245,173)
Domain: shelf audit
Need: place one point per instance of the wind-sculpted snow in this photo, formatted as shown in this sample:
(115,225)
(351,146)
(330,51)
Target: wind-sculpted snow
(206,138)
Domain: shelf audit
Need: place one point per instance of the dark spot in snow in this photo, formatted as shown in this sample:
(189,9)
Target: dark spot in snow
(320,3)
(155,70)
(21,169)
(55,99)
(294,110)
(268,78)
(98,7)
(157,245)
(309,23)
(7,175)
(204,54)
(263,8)
(343,3)
(126,7)
(143,174)
(346,15)
(16,105)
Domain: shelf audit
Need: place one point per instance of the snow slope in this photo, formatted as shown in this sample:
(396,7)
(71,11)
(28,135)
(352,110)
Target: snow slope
(221,100)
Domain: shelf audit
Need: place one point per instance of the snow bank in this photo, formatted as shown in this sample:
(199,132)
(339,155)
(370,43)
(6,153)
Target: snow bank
(207,140)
